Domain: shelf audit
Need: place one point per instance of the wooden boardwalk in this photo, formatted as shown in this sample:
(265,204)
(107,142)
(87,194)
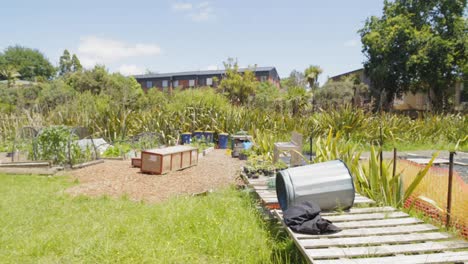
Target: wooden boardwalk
(370,234)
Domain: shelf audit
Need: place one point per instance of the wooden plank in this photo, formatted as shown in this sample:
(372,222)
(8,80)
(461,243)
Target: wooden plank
(363,200)
(365,210)
(365,231)
(372,240)
(368,223)
(378,223)
(448,257)
(385,250)
(360,217)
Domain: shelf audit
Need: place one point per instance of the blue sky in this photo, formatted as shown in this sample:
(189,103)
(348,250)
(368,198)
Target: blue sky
(166,36)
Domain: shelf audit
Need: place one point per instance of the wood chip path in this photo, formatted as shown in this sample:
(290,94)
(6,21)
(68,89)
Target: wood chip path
(117,178)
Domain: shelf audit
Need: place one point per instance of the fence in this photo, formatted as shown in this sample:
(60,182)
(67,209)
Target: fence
(430,197)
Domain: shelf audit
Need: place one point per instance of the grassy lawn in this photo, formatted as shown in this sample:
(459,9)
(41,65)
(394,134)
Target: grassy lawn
(41,224)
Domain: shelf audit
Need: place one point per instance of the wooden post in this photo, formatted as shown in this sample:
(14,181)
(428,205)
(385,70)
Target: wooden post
(449,191)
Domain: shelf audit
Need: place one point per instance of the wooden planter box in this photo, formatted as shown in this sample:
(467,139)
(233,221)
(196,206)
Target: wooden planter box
(160,161)
(136,162)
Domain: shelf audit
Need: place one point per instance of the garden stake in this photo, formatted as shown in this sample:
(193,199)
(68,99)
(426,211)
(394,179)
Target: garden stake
(394,161)
(449,191)
(381,151)
(311,148)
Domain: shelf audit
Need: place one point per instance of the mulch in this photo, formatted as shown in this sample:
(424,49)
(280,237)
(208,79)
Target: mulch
(117,178)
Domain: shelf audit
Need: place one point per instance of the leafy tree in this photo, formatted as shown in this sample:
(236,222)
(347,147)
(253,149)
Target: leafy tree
(55,93)
(65,63)
(69,64)
(338,93)
(237,86)
(93,80)
(416,46)
(296,78)
(267,95)
(76,64)
(29,63)
(7,71)
(298,98)
(311,74)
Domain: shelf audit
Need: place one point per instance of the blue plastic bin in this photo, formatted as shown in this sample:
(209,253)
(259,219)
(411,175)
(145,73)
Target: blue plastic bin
(198,135)
(186,138)
(208,136)
(223,140)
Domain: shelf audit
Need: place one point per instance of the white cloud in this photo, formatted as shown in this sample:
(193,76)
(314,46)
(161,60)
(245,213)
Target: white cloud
(93,50)
(130,69)
(182,6)
(352,43)
(202,11)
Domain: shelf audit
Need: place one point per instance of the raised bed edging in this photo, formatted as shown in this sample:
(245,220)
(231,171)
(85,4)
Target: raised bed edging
(86,164)
(205,152)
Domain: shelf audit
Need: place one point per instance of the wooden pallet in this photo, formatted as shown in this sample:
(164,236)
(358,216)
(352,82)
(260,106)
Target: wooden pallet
(370,235)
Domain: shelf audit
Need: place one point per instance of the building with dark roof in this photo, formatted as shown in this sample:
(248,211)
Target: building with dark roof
(183,80)
(409,100)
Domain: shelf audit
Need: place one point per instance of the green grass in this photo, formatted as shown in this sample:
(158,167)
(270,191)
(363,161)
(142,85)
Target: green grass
(41,224)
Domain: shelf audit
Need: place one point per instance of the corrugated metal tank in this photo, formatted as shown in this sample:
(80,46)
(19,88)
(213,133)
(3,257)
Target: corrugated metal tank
(328,184)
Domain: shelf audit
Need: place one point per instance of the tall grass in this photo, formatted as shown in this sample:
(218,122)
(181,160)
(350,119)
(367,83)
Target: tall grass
(41,224)
(204,109)
(372,178)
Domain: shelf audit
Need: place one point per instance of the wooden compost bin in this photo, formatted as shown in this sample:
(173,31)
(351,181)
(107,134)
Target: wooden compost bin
(160,161)
(136,162)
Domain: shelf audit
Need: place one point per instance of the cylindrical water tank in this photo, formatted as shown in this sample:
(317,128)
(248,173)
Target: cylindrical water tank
(328,184)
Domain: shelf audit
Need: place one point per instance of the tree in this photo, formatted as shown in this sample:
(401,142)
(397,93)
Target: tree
(68,65)
(416,46)
(311,74)
(54,93)
(7,71)
(29,63)
(296,78)
(337,93)
(65,63)
(298,98)
(76,64)
(94,80)
(235,85)
(267,95)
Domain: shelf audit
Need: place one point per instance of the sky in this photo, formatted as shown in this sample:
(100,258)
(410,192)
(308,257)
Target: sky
(136,36)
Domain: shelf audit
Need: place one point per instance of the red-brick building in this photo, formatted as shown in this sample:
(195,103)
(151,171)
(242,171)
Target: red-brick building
(183,80)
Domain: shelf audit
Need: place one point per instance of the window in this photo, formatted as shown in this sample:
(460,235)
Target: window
(191,83)
(176,84)
(209,81)
(263,78)
(164,83)
(149,84)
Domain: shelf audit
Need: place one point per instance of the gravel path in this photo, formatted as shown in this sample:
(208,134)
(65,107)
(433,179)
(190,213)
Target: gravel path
(116,178)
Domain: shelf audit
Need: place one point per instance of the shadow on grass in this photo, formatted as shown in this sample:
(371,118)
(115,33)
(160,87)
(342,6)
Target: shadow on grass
(284,250)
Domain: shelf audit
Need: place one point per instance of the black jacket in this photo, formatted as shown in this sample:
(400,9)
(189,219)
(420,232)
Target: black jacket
(305,218)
